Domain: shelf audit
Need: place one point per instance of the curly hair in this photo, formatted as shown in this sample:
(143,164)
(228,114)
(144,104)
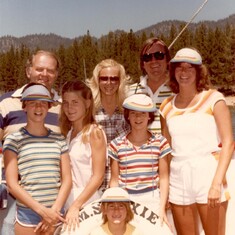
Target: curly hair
(202,77)
(93,82)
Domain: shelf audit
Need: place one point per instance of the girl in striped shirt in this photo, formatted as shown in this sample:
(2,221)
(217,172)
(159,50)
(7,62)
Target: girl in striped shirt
(39,157)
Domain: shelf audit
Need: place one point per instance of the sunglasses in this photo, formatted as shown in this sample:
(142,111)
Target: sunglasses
(105,79)
(157,55)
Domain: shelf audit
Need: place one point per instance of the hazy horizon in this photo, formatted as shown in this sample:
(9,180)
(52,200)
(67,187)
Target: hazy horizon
(72,18)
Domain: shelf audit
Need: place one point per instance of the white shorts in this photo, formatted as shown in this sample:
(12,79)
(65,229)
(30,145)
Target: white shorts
(190,180)
(149,199)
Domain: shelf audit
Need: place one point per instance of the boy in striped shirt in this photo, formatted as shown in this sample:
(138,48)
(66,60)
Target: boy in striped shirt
(139,159)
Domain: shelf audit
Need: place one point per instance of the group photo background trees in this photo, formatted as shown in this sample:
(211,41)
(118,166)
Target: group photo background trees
(78,60)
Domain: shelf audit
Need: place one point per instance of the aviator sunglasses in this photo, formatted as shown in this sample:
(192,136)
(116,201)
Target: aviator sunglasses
(157,55)
(113,79)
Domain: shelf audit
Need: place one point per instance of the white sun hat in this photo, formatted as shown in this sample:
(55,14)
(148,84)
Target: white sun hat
(187,55)
(36,92)
(115,194)
(139,102)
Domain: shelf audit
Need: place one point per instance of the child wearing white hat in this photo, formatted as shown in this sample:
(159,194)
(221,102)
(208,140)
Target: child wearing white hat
(116,213)
(39,157)
(139,159)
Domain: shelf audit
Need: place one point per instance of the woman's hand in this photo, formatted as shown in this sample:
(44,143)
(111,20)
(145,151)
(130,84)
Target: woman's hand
(72,218)
(43,227)
(50,217)
(214,196)
(164,219)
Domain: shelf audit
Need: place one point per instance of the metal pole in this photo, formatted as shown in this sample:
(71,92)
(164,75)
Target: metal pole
(190,21)
(84,68)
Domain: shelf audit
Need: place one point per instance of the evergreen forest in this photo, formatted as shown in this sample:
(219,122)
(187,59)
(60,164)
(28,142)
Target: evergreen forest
(78,60)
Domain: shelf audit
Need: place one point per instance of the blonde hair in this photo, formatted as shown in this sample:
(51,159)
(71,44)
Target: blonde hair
(129,212)
(93,82)
(84,91)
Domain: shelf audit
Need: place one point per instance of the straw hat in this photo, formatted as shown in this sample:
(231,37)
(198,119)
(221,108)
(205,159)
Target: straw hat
(115,194)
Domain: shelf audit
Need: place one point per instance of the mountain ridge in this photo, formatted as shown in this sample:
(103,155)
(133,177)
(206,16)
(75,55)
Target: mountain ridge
(54,41)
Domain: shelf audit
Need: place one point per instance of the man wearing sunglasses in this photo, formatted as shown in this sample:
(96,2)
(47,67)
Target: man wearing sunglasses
(154,60)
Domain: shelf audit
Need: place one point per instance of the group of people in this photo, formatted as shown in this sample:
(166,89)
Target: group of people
(157,139)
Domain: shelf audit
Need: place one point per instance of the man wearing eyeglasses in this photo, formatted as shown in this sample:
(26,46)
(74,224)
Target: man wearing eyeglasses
(154,61)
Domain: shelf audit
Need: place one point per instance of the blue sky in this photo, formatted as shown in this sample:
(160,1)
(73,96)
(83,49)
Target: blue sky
(72,18)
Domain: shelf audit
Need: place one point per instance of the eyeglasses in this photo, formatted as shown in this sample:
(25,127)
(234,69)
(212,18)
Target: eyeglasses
(105,79)
(157,55)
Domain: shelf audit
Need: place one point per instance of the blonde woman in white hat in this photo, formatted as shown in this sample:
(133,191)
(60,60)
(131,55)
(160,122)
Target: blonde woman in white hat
(40,158)
(139,159)
(195,120)
(116,214)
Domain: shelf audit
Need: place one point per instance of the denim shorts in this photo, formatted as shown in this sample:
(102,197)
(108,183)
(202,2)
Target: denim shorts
(28,218)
